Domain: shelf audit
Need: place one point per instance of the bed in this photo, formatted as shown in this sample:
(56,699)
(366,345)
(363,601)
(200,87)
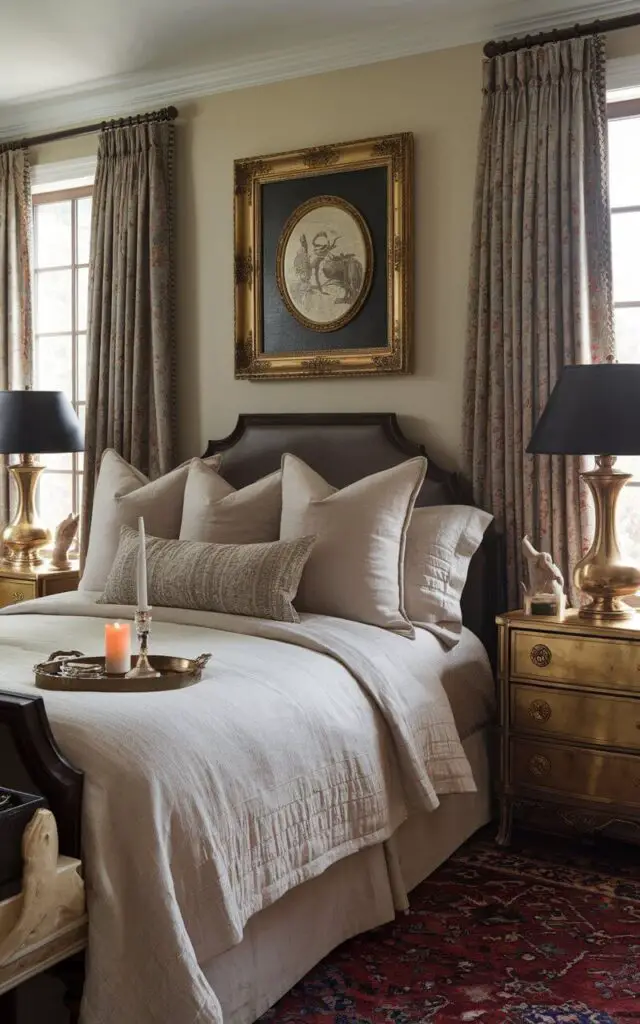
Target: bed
(260,949)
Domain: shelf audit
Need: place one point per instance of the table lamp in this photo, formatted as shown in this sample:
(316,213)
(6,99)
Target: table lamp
(595,410)
(33,422)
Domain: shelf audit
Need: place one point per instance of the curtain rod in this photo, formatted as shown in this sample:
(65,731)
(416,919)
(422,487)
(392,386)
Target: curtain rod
(166,114)
(497,48)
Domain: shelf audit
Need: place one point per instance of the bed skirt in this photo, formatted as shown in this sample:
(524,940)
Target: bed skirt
(282,943)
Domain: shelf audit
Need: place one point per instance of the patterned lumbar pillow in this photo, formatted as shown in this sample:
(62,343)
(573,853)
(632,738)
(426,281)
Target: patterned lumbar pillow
(122,494)
(260,580)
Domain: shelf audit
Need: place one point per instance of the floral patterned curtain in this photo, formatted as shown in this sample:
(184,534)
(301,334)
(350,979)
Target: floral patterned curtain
(16,331)
(540,289)
(131,330)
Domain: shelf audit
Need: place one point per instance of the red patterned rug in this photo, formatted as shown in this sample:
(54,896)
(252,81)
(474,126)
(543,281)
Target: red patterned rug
(544,933)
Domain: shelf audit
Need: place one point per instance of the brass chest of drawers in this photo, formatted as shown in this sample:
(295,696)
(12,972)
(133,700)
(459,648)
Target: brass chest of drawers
(25,584)
(569,724)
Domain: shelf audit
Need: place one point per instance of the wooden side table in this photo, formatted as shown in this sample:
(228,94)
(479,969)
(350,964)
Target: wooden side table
(569,724)
(18,584)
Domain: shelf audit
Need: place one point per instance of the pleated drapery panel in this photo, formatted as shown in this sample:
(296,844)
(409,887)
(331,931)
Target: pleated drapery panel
(540,287)
(131,323)
(16,327)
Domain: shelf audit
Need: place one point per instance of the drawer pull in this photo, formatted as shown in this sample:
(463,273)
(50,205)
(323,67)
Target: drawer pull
(539,765)
(540,711)
(540,655)
(17,596)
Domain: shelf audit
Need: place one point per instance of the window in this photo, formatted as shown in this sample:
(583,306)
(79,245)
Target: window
(624,184)
(62,221)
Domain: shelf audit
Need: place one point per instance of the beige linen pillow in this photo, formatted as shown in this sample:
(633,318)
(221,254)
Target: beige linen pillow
(215,511)
(122,494)
(355,570)
(441,542)
(260,580)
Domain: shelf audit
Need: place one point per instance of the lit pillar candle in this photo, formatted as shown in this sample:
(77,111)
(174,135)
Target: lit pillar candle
(117,647)
(143,604)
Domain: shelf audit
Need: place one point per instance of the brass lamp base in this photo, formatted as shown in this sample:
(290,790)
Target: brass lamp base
(602,574)
(25,536)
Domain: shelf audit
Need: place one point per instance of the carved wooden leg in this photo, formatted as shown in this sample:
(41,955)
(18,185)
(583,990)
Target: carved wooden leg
(503,837)
(71,974)
(9,1007)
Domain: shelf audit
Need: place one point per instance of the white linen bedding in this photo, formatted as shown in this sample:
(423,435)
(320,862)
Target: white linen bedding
(302,744)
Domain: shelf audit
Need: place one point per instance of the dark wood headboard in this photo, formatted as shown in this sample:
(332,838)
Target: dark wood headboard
(343,447)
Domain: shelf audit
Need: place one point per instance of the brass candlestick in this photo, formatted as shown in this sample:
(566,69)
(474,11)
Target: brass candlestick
(143,668)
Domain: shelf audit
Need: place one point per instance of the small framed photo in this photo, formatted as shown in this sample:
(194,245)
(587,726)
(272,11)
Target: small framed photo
(545,604)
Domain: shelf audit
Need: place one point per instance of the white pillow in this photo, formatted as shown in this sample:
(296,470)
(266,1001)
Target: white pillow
(355,570)
(441,542)
(122,494)
(215,512)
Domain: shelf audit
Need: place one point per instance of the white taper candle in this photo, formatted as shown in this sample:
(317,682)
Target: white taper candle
(143,603)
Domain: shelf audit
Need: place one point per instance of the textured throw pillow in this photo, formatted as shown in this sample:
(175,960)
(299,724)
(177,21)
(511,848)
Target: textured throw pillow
(260,580)
(356,568)
(122,494)
(441,542)
(216,512)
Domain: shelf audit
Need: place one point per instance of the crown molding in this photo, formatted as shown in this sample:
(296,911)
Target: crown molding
(127,94)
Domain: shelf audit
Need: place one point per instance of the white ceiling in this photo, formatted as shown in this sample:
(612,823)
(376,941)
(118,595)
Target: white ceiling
(62,59)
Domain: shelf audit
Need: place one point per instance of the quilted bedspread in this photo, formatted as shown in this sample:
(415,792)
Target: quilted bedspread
(301,745)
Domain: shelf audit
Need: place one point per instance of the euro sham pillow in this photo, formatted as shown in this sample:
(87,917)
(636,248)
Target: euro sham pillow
(356,568)
(260,580)
(123,494)
(216,512)
(441,541)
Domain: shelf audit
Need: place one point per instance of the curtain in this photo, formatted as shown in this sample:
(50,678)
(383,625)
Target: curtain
(540,287)
(131,330)
(16,331)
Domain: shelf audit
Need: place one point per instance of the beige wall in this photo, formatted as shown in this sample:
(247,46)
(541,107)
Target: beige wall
(435,96)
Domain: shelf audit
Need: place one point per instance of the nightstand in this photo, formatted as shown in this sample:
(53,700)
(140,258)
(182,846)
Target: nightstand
(18,584)
(569,724)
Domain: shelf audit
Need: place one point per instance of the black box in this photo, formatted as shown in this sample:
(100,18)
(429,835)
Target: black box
(13,821)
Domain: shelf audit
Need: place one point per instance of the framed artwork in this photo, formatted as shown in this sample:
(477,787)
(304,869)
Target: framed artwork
(324,261)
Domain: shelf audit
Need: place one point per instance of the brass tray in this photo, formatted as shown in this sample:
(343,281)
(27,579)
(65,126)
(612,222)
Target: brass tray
(175,673)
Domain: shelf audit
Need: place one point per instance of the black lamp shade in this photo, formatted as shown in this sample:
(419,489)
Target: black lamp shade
(35,422)
(592,410)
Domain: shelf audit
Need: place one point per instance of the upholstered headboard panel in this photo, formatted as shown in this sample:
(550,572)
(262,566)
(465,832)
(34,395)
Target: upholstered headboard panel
(343,447)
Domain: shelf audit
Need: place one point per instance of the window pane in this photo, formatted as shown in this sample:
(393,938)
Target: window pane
(53,364)
(53,234)
(624,156)
(55,500)
(58,461)
(83,225)
(628,521)
(629,464)
(627,324)
(625,232)
(79,485)
(53,301)
(82,286)
(81,367)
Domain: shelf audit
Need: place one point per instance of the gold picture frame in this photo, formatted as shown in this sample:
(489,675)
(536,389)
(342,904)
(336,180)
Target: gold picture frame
(305,307)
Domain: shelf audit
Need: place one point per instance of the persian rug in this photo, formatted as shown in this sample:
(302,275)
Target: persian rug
(544,933)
